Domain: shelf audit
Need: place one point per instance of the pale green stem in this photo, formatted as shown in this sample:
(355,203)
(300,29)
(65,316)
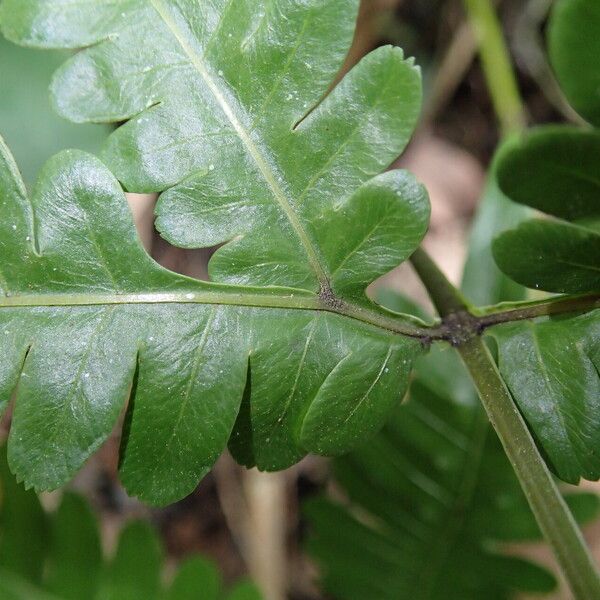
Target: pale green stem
(442,292)
(497,65)
(546,502)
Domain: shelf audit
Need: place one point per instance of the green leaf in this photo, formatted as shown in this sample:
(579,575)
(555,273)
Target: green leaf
(134,573)
(554,170)
(16,587)
(552,368)
(227,98)
(430,501)
(196,578)
(73,24)
(551,365)
(84,308)
(483,283)
(395,488)
(65,559)
(199,578)
(244,591)
(23,527)
(574,48)
(228,114)
(75,556)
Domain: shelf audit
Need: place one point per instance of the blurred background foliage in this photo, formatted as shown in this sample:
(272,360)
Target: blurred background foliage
(27,122)
(400,518)
(58,555)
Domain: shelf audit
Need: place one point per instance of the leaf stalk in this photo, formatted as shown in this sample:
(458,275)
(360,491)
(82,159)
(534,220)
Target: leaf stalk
(522,311)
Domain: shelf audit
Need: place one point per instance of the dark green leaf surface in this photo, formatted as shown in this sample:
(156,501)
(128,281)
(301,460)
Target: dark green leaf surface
(198,578)
(574,47)
(84,308)
(552,368)
(554,170)
(430,500)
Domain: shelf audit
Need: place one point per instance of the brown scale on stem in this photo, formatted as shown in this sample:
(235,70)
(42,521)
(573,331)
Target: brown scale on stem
(329,298)
(461,326)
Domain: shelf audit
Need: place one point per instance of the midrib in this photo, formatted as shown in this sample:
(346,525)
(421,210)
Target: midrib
(293,301)
(179,297)
(253,150)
